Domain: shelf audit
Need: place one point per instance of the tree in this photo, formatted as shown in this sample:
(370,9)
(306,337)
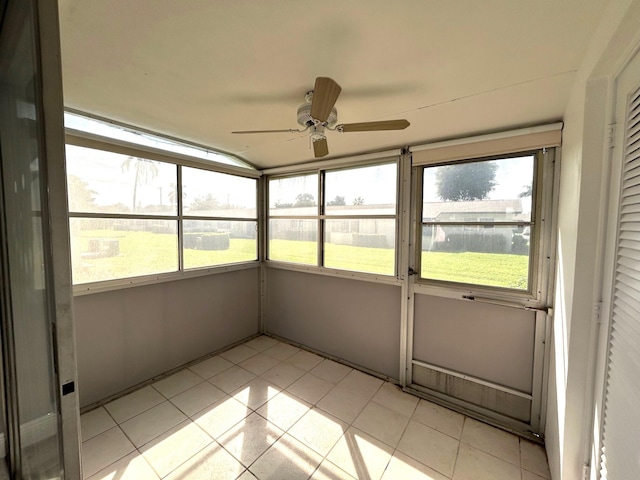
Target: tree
(305,200)
(336,202)
(173,194)
(144,171)
(526,192)
(466,181)
(80,195)
(205,202)
(358,201)
(281,204)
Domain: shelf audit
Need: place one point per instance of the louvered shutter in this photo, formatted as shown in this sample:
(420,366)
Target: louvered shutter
(621,427)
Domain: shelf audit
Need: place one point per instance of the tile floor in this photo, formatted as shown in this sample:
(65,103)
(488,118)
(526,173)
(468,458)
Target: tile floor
(268,410)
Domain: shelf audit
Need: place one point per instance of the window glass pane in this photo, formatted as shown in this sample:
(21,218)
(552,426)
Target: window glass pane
(294,195)
(105,182)
(497,256)
(293,241)
(110,130)
(361,245)
(211,242)
(482,191)
(361,191)
(213,194)
(106,249)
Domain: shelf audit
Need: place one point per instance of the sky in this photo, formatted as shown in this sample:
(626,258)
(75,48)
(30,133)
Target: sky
(373,184)
(512,176)
(104,129)
(104,173)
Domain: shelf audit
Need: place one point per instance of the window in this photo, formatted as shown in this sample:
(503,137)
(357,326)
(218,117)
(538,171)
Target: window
(112,130)
(476,219)
(357,219)
(293,219)
(127,214)
(220,218)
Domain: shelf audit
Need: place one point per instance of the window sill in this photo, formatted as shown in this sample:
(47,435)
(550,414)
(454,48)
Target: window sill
(121,283)
(362,276)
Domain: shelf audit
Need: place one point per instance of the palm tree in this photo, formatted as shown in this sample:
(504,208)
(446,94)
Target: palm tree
(173,194)
(145,171)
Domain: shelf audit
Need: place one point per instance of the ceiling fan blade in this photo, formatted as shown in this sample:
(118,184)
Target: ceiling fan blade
(320,148)
(373,126)
(325,94)
(290,130)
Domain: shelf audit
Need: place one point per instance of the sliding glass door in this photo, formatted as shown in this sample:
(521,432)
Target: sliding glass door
(32,397)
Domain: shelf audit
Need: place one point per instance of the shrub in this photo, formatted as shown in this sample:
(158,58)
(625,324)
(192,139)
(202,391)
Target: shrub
(214,241)
(190,240)
(373,240)
(207,241)
(473,242)
(519,245)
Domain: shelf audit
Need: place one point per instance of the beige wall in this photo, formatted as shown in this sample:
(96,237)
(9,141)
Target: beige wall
(127,336)
(582,207)
(353,320)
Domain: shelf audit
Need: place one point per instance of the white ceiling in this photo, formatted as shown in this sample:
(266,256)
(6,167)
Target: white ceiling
(199,69)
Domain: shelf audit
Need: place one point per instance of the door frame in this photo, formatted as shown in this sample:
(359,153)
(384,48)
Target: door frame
(55,217)
(614,150)
(549,174)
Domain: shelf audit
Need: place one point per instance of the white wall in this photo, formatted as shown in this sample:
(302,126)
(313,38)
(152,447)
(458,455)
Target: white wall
(583,194)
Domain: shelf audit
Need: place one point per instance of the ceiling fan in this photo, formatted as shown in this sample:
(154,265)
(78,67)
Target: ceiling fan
(319,114)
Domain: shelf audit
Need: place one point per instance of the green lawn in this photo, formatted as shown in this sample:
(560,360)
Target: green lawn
(240,250)
(493,269)
(144,253)
(344,257)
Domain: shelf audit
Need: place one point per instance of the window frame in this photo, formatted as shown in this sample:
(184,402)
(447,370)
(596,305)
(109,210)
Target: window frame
(93,141)
(541,192)
(321,216)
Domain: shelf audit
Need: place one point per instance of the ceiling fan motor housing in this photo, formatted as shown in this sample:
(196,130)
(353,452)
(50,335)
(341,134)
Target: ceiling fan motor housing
(306,120)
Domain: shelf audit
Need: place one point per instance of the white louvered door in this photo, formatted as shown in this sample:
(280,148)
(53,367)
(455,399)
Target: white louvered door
(620,452)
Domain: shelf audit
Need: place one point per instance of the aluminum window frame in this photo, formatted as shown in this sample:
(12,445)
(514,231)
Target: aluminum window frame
(321,168)
(88,140)
(539,204)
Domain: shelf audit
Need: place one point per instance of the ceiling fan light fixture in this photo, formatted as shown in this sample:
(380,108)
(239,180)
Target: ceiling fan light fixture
(317,133)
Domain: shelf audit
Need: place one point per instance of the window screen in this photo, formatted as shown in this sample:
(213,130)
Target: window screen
(477,219)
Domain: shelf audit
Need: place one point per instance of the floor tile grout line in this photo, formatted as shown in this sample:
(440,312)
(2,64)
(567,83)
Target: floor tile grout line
(489,453)
(395,449)
(118,459)
(455,463)
(313,405)
(213,440)
(94,436)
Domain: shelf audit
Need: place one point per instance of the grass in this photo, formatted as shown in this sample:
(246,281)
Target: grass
(240,250)
(492,269)
(145,253)
(344,257)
